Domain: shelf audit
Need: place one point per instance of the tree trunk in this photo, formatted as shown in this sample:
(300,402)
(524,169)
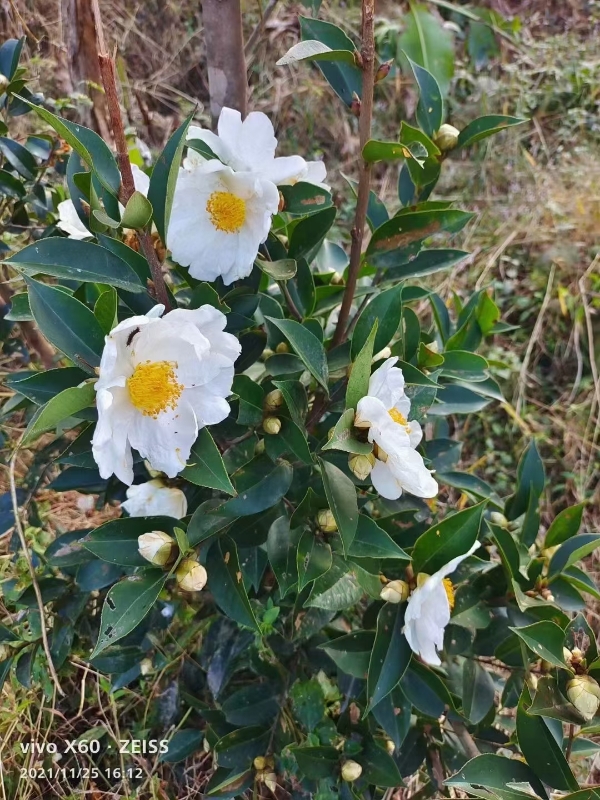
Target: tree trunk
(225,60)
(82,58)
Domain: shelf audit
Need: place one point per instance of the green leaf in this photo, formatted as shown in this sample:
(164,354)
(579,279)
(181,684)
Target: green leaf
(457,400)
(550,702)
(226,584)
(343,436)
(313,50)
(427,262)
(10,53)
(295,398)
(64,405)
(496,772)
(430,109)
(18,157)
(478,691)
(530,479)
(40,387)
(237,749)
(313,558)
(307,346)
(251,397)
(379,767)
(564,525)
(394,242)
(316,763)
(390,656)
(308,703)
(375,150)
(117,541)
(164,178)
(483,127)
(68,324)
(308,234)
(360,374)
(371,541)
(337,589)
(385,309)
(76,260)
(126,605)
(254,704)
(429,44)
(105,310)
(572,551)
(305,198)
(262,495)
(545,639)
(341,496)
(205,467)
(351,653)
(91,147)
(182,744)
(282,270)
(541,750)
(281,549)
(138,212)
(447,539)
(462,364)
(344,79)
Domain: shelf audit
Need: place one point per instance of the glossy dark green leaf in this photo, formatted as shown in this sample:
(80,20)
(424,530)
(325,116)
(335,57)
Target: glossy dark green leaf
(341,496)
(429,44)
(138,212)
(305,198)
(281,549)
(307,346)
(313,558)
(447,539)
(295,398)
(308,703)
(226,584)
(18,157)
(360,373)
(344,79)
(117,541)
(530,478)
(205,466)
(379,768)
(427,262)
(184,742)
(337,589)
(430,109)
(251,397)
(164,178)
(391,654)
(236,750)
(40,387)
(541,750)
(343,436)
(482,127)
(564,525)
(550,702)
(393,714)
(262,495)
(126,605)
(308,234)
(490,771)
(317,762)
(11,186)
(572,551)
(545,639)
(352,652)
(91,147)
(105,310)
(375,150)
(10,53)
(66,404)
(457,400)
(255,704)
(68,324)
(371,541)
(385,309)
(426,690)
(282,270)
(478,691)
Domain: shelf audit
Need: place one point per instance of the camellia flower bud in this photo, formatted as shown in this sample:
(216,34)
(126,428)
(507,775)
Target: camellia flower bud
(282,347)
(395,592)
(146,666)
(390,746)
(271,425)
(337,279)
(351,771)
(157,547)
(326,521)
(496,518)
(260,762)
(273,400)
(4,82)
(383,70)
(447,137)
(362,465)
(382,355)
(584,692)
(191,576)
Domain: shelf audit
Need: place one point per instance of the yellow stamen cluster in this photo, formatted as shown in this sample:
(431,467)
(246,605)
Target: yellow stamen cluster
(227,211)
(153,387)
(449,592)
(398,417)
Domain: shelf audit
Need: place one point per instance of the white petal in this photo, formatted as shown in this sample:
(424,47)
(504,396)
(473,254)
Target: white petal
(216,144)
(165,441)
(285,170)
(110,445)
(452,565)
(411,473)
(256,142)
(69,222)
(387,383)
(384,482)
(140,180)
(153,498)
(315,173)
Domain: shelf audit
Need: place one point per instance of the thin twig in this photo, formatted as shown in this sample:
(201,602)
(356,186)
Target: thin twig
(364,181)
(34,581)
(109,81)
(465,738)
(288,299)
(570,741)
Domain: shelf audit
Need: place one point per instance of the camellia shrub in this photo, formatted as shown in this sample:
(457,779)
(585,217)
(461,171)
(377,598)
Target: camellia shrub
(272,411)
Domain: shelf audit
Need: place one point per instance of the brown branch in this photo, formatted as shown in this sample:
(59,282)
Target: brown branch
(364,181)
(109,81)
(465,738)
(226,65)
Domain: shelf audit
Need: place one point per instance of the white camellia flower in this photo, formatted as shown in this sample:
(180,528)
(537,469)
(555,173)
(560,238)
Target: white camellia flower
(249,146)
(160,381)
(68,218)
(384,411)
(219,219)
(154,499)
(428,610)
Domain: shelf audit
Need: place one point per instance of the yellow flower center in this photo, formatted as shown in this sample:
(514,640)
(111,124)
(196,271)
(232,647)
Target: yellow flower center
(227,212)
(449,592)
(398,417)
(153,387)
